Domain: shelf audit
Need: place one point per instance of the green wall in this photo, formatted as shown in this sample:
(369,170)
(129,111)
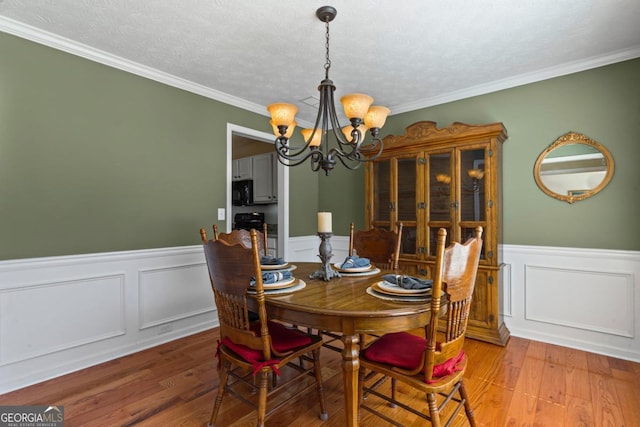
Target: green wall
(604,104)
(94,159)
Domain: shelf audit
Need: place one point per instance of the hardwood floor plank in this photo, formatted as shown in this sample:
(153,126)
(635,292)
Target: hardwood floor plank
(522,410)
(549,414)
(530,376)
(553,384)
(525,383)
(579,412)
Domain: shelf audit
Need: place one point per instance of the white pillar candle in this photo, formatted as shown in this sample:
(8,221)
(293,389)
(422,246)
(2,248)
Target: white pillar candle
(324,222)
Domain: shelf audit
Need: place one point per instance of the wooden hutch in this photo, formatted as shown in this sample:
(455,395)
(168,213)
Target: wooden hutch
(434,177)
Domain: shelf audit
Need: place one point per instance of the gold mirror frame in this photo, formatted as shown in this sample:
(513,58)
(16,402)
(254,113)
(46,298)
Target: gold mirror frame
(572,196)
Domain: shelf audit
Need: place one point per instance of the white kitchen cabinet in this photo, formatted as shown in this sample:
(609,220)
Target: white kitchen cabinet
(265,178)
(242,169)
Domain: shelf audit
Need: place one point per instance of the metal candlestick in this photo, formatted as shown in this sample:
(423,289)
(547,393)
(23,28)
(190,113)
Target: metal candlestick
(325,273)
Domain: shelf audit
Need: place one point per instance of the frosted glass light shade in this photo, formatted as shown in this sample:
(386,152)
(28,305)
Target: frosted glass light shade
(287,134)
(346,131)
(356,105)
(376,116)
(317,138)
(282,114)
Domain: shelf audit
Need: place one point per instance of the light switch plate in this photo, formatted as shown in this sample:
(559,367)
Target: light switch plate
(220,214)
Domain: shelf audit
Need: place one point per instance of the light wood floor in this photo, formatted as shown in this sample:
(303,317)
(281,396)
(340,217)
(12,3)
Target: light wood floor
(526,383)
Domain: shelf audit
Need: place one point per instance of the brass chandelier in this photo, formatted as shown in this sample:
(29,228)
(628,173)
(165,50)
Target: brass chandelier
(350,147)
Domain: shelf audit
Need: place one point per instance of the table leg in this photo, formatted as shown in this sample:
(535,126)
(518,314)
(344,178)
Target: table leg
(350,367)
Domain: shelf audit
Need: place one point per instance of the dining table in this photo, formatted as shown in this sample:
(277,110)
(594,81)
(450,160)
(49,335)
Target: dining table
(346,306)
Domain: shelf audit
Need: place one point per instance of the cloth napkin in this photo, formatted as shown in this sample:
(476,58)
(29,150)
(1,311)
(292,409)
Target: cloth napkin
(267,260)
(408,282)
(269,277)
(355,262)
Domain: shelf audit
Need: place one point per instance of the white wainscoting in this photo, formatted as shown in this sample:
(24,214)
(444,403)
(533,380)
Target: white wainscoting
(580,298)
(61,314)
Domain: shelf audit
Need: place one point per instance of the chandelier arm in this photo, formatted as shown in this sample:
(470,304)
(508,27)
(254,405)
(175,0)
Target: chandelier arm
(294,160)
(352,166)
(335,123)
(289,152)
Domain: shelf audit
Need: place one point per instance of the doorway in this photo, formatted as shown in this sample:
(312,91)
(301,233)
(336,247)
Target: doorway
(251,142)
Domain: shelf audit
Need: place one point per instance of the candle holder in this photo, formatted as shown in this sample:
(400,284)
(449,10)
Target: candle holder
(325,273)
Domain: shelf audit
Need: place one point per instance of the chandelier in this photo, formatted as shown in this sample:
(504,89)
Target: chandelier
(350,147)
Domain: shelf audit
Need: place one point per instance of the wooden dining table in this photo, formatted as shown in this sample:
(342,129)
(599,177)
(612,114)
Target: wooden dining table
(343,305)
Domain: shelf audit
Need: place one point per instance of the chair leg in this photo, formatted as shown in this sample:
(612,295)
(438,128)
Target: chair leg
(224,377)
(361,374)
(394,385)
(467,405)
(317,370)
(433,410)
(263,384)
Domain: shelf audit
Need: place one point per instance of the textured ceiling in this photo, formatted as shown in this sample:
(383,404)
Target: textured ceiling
(407,54)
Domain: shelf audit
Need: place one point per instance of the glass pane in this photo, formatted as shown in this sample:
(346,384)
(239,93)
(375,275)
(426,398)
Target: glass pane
(407,189)
(472,189)
(381,195)
(409,237)
(433,239)
(440,187)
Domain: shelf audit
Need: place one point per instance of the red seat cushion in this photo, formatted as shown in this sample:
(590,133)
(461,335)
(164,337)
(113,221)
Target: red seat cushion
(405,350)
(399,349)
(283,339)
(250,355)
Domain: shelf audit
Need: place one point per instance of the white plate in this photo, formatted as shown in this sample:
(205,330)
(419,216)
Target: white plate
(338,266)
(398,298)
(372,272)
(279,283)
(395,289)
(274,266)
(300,285)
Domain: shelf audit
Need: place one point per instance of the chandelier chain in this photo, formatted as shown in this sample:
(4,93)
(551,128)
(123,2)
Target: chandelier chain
(327,63)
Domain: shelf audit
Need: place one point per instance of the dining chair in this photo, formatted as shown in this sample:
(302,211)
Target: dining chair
(434,364)
(262,348)
(242,237)
(382,247)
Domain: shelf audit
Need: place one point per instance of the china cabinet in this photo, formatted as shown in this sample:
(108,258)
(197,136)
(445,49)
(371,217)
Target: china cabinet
(431,178)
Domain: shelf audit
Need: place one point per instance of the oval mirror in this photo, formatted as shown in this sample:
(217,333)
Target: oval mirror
(573,168)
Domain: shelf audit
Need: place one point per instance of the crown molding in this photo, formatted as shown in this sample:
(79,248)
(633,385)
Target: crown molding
(66,45)
(522,79)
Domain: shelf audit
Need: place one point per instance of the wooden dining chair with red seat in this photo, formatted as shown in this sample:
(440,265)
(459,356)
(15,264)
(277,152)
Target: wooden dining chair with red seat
(382,247)
(260,348)
(435,364)
(242,237)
